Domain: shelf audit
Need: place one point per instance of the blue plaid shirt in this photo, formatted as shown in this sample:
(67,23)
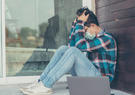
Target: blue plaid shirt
(101,51)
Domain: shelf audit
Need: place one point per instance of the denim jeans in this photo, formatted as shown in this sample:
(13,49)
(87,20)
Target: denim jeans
(67,60)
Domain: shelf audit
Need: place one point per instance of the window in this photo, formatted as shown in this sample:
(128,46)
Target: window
(34,29)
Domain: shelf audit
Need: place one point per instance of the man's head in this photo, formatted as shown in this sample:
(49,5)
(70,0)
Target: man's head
(92,25)
(82,14)
(90,19)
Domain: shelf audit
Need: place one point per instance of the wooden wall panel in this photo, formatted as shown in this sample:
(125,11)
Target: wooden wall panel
(127,22)
(118,18)
(103,3)
(114,15)
(111,11)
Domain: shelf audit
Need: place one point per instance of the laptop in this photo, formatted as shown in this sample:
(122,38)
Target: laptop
(89,86)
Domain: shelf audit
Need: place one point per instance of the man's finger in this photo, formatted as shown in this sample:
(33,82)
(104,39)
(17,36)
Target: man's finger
(84,12)
(87,15)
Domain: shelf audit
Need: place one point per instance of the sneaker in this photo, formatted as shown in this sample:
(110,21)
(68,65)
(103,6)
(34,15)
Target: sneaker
(29,86)
(38,89)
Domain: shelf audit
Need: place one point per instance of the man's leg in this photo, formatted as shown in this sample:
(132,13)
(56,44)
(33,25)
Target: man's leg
(72,57)
(56,57)
(72,71)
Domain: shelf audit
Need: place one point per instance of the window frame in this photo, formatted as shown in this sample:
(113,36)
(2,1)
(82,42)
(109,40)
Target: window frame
(22,79)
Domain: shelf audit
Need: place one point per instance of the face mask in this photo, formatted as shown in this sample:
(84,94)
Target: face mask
(90,36)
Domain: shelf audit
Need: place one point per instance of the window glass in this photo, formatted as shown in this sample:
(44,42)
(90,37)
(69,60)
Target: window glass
(34,30)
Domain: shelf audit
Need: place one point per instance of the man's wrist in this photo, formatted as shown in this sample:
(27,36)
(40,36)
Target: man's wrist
(80,22)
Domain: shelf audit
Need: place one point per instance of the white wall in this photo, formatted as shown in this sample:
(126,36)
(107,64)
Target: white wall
(87,3)
(90,4)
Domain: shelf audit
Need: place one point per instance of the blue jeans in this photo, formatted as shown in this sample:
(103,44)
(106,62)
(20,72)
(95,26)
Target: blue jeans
(67,60)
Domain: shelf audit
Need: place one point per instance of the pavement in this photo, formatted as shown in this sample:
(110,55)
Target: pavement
(59,89)
(14,89)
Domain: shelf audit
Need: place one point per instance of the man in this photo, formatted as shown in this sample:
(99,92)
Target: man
(86,55)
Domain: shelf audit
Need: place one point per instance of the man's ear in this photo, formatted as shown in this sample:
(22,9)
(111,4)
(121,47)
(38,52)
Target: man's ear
(86,27)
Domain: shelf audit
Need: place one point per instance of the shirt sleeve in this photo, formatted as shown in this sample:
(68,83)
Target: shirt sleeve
(88,45)
(71,37)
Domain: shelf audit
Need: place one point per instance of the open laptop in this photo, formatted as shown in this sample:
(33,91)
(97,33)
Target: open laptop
(89,85)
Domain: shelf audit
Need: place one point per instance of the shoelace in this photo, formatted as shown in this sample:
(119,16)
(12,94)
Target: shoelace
(34,84)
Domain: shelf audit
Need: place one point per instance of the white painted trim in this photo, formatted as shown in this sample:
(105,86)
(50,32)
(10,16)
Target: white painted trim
(3,40)
(93,6)
(17,80)
(30,49)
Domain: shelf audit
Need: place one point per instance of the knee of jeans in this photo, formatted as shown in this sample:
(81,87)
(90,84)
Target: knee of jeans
(73,49)
(63,47)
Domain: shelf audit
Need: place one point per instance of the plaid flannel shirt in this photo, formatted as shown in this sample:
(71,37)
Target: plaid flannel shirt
(101,51)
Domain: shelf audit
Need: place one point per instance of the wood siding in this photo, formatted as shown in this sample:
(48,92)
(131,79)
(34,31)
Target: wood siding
(118,18)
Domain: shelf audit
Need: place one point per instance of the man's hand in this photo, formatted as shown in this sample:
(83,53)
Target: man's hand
(83,17)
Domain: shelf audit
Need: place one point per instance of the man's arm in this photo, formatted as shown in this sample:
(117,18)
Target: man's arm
(85,45)
(82,18)
(71,37)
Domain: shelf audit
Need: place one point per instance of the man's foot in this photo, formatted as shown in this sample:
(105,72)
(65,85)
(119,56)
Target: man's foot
(38,89)
(29,86)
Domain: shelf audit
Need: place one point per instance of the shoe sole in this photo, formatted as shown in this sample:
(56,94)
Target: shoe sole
(23,90)
(30,93)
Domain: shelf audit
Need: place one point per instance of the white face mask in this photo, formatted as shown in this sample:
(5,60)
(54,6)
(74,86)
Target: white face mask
(90,36)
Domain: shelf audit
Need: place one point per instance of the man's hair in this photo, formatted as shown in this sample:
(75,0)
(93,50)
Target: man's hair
(92,19)
(81,10)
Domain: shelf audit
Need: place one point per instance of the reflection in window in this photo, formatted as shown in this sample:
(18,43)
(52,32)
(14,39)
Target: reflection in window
(25,26)
(32,26)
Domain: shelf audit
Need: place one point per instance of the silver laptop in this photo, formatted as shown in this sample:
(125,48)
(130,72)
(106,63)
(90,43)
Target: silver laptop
(88,85)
